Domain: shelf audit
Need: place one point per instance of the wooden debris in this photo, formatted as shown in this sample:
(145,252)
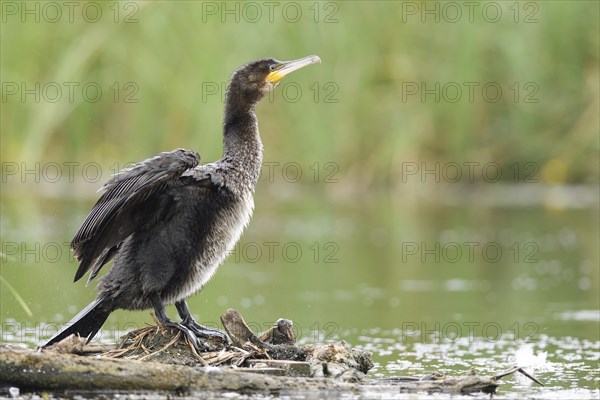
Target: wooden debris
(237,329)
(289,368)
(282,332)
(338,356)
(262,370)
(161,358)
(31,370)
(277,343)
(442,384)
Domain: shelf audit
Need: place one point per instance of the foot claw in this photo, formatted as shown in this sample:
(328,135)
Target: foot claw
(199,347)
(211,336)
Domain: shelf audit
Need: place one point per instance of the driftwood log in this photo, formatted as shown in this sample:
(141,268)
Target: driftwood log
(159,359)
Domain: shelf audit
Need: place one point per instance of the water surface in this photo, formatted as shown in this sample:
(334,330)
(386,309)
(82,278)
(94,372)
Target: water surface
(425,287)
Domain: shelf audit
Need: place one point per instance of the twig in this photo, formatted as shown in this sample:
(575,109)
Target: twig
(166,346)
(521,370)
(194,352)
(509,371)
(514,369)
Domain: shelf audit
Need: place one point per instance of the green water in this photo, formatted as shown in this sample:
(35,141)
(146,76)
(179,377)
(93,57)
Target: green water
(425,287)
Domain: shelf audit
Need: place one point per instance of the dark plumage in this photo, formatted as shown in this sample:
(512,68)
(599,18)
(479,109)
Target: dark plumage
(169,222)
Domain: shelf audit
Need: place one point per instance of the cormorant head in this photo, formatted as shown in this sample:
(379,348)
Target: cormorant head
(254,80)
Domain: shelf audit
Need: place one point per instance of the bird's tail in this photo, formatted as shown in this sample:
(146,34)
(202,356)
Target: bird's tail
(85,324)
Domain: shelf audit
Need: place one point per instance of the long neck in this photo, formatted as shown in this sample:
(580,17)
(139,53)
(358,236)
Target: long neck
(242,147)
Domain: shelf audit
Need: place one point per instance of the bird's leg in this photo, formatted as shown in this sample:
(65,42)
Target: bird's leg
(162,317)
(200,331)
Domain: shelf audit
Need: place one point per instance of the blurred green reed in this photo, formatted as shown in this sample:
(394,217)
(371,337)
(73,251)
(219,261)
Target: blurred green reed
(175,54)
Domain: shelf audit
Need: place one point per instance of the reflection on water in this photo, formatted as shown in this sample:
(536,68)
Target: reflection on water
(565,365)
(425,288)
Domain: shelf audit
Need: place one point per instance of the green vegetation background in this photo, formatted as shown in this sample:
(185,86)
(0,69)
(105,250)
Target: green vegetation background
(173,52)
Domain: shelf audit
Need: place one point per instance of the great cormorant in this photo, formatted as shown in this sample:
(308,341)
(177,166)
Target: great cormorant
(169,222)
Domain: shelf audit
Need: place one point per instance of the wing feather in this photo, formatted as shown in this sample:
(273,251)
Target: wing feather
(128,200)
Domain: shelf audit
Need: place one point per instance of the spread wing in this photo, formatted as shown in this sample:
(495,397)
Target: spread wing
(131,197)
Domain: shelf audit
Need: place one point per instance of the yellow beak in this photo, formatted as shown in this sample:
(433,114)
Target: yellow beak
(287,67)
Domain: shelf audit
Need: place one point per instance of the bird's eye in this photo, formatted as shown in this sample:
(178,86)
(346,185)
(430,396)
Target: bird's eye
(272,67)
